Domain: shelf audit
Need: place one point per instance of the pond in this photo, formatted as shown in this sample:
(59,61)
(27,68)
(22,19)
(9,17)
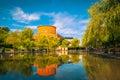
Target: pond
(58,66)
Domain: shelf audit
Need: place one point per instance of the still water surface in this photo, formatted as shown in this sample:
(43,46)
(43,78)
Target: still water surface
(59,66)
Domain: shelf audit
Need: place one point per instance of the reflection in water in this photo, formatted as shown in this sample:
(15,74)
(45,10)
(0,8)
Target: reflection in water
(47,65)
(62,53)
(80,57)
(47,71)
(13,67)
(59,66)
(99,68)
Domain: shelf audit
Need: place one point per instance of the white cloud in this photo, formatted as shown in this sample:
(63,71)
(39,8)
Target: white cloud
(19,15)
(69,25)
(62,20)
(84,21)
(15,30)
(68,31)
(32,27)
(16,25)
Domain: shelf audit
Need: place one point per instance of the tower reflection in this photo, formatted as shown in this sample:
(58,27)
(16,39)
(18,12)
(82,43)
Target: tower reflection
(49,70)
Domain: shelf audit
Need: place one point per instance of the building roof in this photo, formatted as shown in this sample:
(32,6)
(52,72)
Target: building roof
(46,26)
(59,35)
(68,37)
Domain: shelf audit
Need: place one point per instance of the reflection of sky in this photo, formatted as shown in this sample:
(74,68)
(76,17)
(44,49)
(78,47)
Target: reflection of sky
(34,69)
(71,72)
(12,75)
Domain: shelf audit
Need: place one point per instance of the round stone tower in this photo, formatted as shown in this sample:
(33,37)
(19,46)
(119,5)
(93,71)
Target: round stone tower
(47,31)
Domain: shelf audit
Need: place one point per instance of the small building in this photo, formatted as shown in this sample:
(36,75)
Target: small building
(68,38)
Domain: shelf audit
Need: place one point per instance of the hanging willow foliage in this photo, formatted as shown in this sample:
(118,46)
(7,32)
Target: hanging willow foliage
(104,25)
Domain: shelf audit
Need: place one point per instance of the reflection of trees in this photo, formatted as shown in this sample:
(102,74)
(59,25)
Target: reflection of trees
(72,57)
(43,61)
(99,68)
(75,58)
(26,68)
(3,67)
(64,58)
(22,67)
(22,63)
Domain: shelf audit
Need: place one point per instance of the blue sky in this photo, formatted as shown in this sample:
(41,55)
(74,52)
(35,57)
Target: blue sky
(69,16)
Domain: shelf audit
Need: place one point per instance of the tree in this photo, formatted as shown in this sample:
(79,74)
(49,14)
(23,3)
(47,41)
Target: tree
(28,44)
(3,34)
(53,42)
(26,33)
(65,43)
(26,38)
(103,27)
(47,42)
(6,29)
(13,38)
(41,41)
(75,43)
